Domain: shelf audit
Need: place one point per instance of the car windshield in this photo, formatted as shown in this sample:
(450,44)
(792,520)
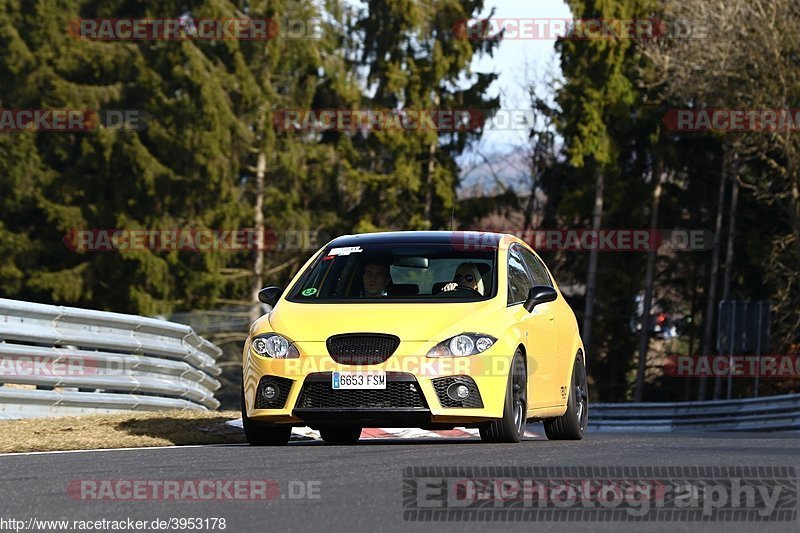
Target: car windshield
(398,273)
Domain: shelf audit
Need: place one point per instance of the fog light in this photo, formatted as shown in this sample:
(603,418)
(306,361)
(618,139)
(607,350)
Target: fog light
(458,392)
(270,392)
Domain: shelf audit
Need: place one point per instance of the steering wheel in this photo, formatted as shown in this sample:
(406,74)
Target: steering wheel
(469,289)
(460,288)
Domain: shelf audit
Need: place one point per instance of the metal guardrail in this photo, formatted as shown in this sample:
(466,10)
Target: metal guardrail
(768,413)
(84,361)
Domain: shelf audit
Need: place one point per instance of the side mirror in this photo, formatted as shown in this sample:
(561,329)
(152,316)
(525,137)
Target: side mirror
(270,295)
(538,295)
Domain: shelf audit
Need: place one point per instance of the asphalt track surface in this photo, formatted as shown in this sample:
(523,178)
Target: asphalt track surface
(360,486)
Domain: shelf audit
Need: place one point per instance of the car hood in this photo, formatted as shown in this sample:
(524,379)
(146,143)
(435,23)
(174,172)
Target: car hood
(409,321)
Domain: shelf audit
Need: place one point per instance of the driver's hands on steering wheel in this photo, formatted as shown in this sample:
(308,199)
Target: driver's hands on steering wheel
(455,288)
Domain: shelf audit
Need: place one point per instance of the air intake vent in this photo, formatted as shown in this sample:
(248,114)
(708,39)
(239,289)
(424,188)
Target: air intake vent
(405,395)
(276,398)
(441,385)
(362,348)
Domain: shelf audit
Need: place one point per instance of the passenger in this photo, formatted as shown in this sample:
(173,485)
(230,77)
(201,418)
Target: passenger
(468,276)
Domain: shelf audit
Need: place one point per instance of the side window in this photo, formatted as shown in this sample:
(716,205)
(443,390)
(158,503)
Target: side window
(536,268)
(519,283)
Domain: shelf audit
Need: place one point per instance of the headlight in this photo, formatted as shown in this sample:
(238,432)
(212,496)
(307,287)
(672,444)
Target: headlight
(462,345)
(274,345)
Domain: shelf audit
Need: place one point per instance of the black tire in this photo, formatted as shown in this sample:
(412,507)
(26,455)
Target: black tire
(340,434)
(261,434)
(511,428)
(572,424)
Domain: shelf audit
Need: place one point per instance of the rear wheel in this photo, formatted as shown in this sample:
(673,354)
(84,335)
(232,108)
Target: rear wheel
(261,434)
(511,428)
(340,434)
(572,424)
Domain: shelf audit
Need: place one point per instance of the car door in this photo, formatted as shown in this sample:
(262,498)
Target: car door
(538,331)
(540,276)
(564,326)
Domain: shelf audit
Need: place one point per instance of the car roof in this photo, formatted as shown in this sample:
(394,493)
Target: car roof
(418,237)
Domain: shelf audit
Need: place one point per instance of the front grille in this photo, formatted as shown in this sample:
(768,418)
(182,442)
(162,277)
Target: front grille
(362,349)
(283,386)
(442,384)
(398,394)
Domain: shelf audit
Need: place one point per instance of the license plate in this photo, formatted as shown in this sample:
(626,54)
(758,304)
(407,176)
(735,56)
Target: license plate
(358,380)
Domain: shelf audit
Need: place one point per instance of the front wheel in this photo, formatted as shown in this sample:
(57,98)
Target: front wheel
(261,434)
(511,428)
(572,424)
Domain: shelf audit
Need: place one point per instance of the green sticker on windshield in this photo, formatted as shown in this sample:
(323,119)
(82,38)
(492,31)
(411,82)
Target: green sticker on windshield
(309,292)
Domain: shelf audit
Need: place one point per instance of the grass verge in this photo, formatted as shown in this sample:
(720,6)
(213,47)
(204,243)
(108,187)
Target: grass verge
(129,430)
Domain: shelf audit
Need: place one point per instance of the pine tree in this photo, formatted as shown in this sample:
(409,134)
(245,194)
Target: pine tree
(180,172)
(416,60)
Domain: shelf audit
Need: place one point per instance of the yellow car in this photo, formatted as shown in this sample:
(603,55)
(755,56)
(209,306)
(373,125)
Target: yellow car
(428,329)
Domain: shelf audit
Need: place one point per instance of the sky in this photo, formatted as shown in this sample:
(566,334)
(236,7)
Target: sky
(519,63)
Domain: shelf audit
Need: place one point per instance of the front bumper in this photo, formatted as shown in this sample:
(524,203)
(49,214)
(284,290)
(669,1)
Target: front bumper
(401,403)
(415,395)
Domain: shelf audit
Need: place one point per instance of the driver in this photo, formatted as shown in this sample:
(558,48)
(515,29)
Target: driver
(376,278)
(467,276)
